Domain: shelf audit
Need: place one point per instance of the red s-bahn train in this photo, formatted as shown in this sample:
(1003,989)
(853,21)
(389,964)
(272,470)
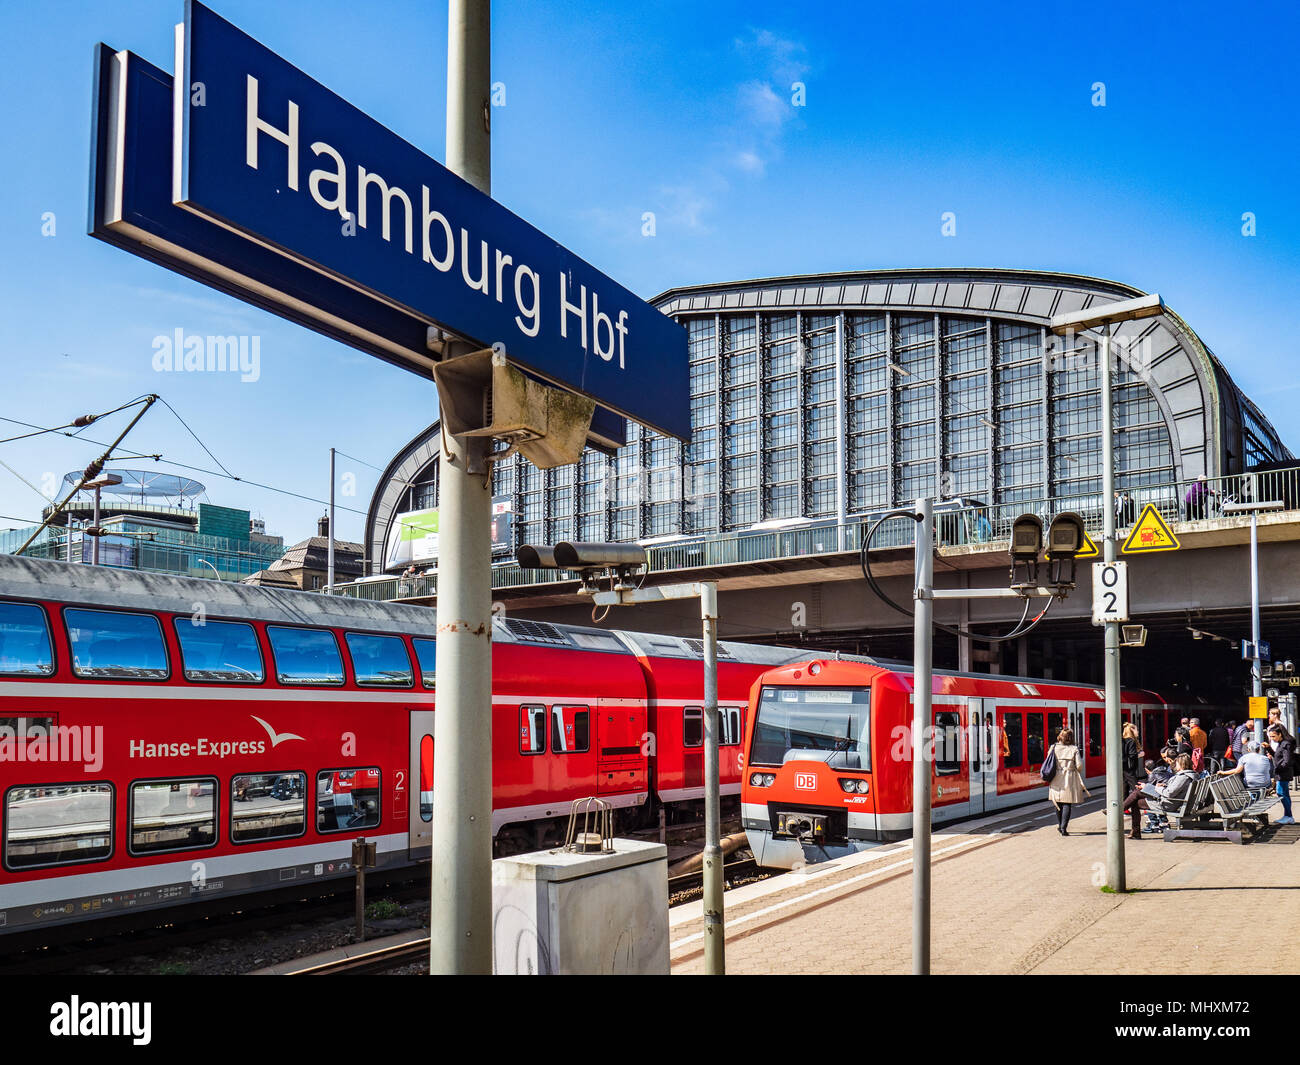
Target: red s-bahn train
(828,767)
(166,739)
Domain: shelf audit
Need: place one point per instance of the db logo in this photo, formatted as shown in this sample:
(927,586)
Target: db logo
(805,781)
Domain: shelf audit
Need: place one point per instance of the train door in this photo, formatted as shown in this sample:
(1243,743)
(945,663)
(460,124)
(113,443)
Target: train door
(620,749)
(419,785)
(1076,724)
(1153,731)
(1094,741)
(951,773)
(985,754)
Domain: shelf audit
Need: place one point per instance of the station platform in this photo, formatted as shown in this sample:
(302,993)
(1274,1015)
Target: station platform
(1010,895)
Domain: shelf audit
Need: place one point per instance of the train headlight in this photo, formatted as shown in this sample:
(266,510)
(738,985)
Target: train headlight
(854,785)
(762,780)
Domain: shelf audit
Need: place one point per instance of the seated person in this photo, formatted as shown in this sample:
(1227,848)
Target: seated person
(1157,775)
(1175,791)
(1255,769)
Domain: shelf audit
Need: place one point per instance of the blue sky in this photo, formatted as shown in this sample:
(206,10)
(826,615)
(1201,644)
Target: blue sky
(685,110)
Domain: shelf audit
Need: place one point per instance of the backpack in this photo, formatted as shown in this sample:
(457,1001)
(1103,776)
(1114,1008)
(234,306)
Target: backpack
(1048,770)
(1198,759)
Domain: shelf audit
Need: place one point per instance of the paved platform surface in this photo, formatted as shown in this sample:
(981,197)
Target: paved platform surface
(1010,895)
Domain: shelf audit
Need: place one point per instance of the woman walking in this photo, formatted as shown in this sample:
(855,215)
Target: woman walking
(1066,787)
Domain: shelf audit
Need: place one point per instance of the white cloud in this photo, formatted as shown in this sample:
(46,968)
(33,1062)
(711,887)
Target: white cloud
(760,105)
(784,58)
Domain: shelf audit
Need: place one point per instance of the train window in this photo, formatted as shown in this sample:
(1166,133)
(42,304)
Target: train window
(24,641)
(426,778)
(947,742)
(122,646)
(1055,722)
(1094,735)
(57,824)
(224,651)
(532,729)
(426,655)
(305,656)
(347,799)
(570,729)
(380,661)
(173,815)
(692,726)
(728,726)
(1013,741)
(267,806)
(832,725)
(1034,750)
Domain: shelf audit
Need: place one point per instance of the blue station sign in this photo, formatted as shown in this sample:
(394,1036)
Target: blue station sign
(264,151)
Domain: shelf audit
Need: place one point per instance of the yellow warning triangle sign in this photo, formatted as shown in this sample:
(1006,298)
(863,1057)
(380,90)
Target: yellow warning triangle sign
(1150,533)
(1089,548)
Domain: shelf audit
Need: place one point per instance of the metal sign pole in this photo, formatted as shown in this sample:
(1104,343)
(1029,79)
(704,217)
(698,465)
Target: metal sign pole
(1114,743)
(329,577)
(1256,674)
(714,929)
(923,636)
(94,547)
(460,917)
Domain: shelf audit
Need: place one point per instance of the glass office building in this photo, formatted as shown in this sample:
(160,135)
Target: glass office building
(837,396)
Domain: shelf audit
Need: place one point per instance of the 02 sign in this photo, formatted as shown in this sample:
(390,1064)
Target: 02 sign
(1109,592)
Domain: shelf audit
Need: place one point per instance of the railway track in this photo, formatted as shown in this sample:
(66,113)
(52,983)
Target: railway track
(158,933)
(745,868)
(384,959)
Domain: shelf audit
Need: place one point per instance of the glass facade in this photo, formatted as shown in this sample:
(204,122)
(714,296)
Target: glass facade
(837,414)
(154,547)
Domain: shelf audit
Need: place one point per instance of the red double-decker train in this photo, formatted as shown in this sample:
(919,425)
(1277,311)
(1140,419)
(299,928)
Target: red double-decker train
(829,757)
(167,739)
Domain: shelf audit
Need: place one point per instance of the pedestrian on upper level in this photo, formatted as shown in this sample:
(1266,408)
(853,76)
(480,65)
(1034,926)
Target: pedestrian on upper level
(1196,504)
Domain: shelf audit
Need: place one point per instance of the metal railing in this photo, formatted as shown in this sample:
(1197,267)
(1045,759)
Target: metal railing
(967,527)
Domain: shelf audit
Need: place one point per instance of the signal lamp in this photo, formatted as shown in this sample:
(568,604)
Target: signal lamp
(537,556)
(581,556)
(1026,543)
(1026,538)
(1065,537)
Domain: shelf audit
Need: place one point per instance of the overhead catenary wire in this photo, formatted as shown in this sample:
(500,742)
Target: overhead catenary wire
(26,481)
(158,457)
(92,471)
(363,462)
(196,437)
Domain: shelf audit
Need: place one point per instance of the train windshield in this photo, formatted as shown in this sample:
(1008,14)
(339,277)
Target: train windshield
(831,725)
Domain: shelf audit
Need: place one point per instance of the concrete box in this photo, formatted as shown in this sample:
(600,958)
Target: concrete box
(555,913)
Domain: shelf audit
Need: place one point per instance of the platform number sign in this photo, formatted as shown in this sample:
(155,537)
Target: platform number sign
(1109,592)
